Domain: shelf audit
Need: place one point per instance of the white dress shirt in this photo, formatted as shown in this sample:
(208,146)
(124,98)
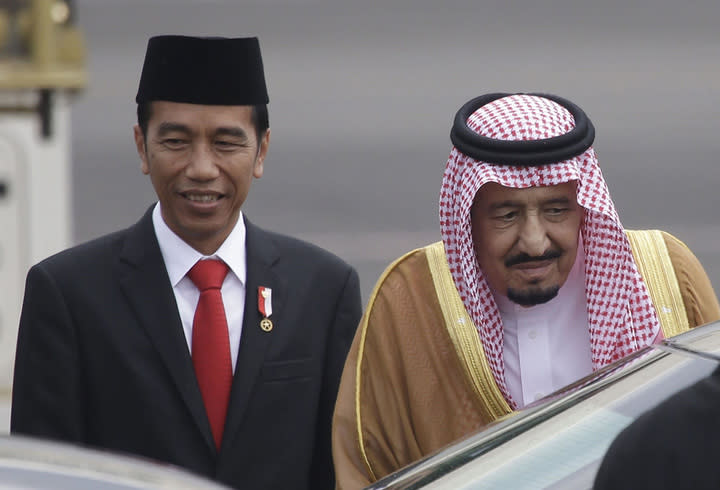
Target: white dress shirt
(547,346)
(179,258)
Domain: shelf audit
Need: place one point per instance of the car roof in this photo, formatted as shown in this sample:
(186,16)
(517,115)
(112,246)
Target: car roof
(27,462)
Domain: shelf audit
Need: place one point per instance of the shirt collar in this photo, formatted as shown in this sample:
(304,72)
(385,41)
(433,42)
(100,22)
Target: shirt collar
(179,257)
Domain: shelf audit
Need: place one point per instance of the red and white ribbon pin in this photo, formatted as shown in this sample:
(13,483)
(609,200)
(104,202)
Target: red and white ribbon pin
(265,301)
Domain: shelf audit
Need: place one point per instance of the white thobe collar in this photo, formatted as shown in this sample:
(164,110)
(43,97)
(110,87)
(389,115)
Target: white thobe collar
(547,346)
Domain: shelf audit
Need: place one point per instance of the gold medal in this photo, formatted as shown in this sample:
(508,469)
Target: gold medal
(266,324)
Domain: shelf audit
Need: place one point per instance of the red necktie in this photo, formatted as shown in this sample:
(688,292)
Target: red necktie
(210,343)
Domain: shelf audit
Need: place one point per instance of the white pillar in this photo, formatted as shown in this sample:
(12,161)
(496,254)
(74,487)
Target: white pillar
(35,206)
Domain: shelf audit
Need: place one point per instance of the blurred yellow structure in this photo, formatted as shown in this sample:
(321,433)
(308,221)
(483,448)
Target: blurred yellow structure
(40,49)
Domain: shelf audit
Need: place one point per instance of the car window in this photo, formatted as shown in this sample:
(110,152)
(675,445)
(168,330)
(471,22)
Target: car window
(559,442)
(565,448)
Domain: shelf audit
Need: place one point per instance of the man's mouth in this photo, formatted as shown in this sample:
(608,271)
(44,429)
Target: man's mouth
(533,265)
(200,197)
(533,269)
(533,272)
(526,261)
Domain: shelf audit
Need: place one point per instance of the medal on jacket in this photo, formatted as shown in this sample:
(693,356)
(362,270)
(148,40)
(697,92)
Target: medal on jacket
(265,307)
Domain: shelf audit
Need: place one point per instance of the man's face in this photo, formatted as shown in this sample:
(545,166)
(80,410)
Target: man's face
(526,239)
(201,160)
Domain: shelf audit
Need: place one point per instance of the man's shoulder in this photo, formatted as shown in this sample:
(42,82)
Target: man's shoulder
(298,250)
(672,242)
(413,259)
(660,244)
(410,271)
(87,254)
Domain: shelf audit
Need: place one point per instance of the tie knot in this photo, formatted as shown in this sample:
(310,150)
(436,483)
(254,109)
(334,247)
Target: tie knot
(208,274)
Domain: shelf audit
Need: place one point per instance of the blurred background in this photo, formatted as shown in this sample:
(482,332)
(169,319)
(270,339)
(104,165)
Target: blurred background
(362,95)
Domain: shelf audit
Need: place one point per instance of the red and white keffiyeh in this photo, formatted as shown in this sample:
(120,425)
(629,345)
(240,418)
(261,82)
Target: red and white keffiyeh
(621,315)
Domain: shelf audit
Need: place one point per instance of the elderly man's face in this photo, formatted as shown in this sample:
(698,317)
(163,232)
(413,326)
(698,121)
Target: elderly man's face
(526,239)
(201,160)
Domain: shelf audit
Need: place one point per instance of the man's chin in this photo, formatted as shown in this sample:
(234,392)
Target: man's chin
(532,296)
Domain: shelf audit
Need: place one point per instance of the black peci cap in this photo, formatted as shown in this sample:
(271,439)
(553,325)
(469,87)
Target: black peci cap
(203,70)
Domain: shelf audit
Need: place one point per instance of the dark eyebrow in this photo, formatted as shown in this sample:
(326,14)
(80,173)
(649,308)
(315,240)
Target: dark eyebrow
(504,204)
(557,200)
(232,131)
(169,127)
(513,204)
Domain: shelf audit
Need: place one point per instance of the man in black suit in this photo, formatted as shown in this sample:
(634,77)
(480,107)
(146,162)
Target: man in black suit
(112,352)
(674,445)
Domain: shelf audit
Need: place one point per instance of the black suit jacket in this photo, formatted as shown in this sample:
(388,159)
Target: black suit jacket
(102,359)
(675,445)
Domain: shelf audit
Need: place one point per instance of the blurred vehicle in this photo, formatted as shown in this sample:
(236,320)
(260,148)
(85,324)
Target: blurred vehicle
(27,463)
(559,442)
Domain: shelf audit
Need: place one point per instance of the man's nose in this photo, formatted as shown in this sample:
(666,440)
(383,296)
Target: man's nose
(202,165)
(533,239)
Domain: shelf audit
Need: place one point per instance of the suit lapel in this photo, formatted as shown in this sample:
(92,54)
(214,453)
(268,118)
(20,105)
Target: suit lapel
(261,255)
(145,282)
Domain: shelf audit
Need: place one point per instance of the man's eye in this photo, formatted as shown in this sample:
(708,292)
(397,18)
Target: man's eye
(173,142)
(507,216)
(556,211)
(227,145)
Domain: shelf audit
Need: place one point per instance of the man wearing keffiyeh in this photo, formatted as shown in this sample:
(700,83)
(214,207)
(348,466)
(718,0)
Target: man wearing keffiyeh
(534,285)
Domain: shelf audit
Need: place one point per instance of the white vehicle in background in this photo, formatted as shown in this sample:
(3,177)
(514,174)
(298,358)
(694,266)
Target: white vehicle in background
(559,442)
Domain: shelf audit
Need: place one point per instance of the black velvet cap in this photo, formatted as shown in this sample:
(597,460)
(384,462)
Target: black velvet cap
(522,152)
(203,70)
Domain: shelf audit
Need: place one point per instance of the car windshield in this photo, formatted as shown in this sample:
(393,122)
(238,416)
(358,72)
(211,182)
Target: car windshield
(559,442)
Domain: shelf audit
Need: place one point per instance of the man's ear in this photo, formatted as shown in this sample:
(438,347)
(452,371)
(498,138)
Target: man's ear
(141,149)
(263,145)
